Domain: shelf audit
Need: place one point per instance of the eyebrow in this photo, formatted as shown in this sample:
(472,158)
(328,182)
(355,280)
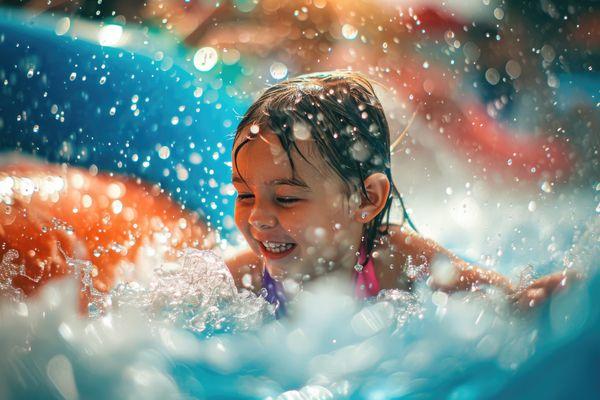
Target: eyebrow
(281,181)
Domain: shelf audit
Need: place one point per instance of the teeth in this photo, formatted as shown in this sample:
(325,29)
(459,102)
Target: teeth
(277,247)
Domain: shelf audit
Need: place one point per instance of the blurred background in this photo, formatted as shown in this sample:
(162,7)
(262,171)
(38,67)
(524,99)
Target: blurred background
(500,163)
(109,110)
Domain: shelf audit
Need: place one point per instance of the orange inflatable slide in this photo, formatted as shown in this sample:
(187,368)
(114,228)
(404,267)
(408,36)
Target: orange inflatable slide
(51,215)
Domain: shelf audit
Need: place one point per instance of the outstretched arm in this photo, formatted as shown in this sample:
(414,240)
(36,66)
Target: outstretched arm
(442,269)
(465,276)
(445,271)
(534,295)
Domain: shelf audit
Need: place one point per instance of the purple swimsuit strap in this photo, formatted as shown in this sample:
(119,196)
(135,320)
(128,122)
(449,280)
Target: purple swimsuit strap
(365,284)
(274,293)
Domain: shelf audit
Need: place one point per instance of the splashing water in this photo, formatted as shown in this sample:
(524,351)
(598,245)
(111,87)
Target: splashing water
(188,332)
(7,273)
(197,293)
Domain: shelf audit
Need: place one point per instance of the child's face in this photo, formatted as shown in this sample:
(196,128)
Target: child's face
(302,223)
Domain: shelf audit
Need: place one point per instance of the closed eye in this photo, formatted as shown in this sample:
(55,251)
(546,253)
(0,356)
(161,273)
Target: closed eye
(288,200)
(245,196)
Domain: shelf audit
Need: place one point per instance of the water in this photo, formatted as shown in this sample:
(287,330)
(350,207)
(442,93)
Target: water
(187,332)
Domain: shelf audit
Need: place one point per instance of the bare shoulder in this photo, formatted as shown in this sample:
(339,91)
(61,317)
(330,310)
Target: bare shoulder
(402,255)
(412,247)
(416,256)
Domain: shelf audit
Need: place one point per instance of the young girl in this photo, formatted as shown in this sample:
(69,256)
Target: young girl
(311,165)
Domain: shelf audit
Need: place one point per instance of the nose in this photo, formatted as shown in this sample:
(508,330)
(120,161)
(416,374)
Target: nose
(262,218)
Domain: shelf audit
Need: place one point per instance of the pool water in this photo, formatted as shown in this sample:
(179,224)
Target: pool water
(188,333)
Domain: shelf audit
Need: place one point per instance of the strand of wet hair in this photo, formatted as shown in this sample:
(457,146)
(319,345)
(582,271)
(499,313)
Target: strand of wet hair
(404,132)
(393,147)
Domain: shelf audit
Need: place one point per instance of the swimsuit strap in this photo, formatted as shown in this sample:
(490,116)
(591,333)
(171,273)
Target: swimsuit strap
(274,293)
(366,283)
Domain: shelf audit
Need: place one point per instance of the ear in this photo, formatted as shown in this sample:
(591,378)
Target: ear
(378,190)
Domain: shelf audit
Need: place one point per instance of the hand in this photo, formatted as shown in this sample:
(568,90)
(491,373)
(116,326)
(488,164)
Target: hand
(541,289)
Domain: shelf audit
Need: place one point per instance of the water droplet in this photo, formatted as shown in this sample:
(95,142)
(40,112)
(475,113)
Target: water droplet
(471,52)
(195,158)
(159,55)
(174,120)
(164,152)
(492,76)
(547,53)
(182,173)
(205,59)
(513,69)
(110,35)
(278,70)
(320,233)
(360,151)
(117,206)
(349,32)
(498,13)
(546,187)
(254,129)
(86,201)
(426,64)
(115,190)
(60,372)
(230,56)
(247,280)
(440,299)
(62,26)
(301,131)
(553,81)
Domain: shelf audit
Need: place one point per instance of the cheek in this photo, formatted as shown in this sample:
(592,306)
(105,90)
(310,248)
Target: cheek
(338,203)
(240,216)
(329,227)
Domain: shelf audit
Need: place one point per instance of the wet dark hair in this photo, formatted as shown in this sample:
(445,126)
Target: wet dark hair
(346,122)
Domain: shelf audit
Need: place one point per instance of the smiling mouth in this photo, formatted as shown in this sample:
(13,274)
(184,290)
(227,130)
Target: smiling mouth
(276,249)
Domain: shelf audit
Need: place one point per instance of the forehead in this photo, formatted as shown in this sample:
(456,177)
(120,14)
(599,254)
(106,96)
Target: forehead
(264,158)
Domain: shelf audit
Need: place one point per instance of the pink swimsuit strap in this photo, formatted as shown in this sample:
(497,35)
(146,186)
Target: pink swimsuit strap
(366,283)
(365,280)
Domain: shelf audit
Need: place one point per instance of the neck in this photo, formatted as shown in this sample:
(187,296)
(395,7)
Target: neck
(343,272)
(342,275)
(339,280)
